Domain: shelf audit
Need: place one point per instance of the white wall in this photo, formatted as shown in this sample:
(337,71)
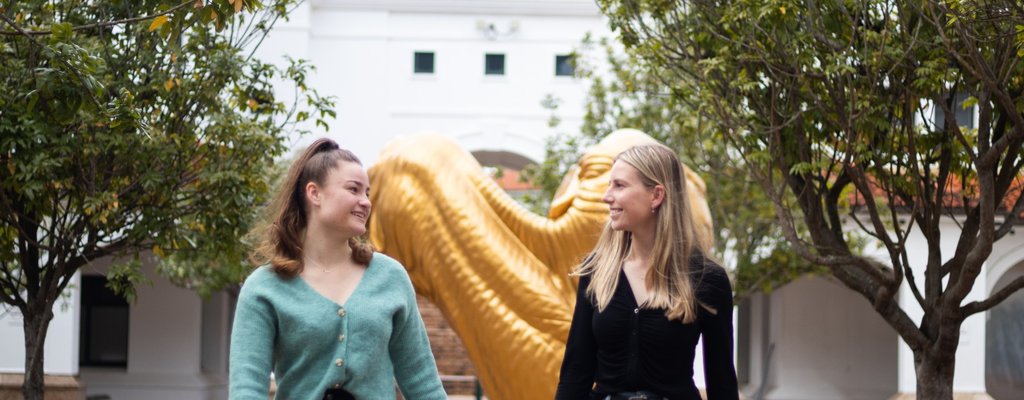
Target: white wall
(828,344)
(363,52)
(61,348)
(1007,253)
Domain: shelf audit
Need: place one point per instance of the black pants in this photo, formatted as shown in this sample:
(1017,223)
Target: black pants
(338,394)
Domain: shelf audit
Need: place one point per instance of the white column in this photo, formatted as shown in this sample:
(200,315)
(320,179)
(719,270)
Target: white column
(164,328)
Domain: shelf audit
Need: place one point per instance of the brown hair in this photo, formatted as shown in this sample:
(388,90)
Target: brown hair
(281,242)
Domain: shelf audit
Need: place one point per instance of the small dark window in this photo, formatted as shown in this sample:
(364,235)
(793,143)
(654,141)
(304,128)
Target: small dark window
(104,332)
(964,116)
(494,64)
(423,62)
(564,66)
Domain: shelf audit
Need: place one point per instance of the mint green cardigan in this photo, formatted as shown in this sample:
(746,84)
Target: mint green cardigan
(313,344)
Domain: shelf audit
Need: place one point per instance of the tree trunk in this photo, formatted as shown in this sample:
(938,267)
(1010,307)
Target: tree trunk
(935,375)
(36,318)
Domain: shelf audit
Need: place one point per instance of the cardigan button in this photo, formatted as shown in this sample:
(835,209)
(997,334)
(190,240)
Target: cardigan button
(339,362)
(341,312)
(341,338)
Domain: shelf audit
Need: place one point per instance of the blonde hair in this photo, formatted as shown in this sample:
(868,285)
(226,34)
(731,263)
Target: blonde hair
(675,240)
(281,244)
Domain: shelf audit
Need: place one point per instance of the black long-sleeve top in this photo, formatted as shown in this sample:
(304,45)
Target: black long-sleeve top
(626,348)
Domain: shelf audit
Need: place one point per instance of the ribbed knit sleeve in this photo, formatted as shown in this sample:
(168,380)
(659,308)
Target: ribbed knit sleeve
(252,343)
(717,335)
(580,361)
(415,369)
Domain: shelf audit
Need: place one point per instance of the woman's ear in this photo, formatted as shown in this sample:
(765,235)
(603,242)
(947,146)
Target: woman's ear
(313,193)
(659,196)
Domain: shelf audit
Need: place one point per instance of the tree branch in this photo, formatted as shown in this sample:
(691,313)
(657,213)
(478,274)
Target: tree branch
(19,31)
(975,307)
(1014,214)
(979,69)
(964,275)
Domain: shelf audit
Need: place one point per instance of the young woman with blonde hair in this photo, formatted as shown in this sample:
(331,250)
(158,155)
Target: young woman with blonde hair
(330,317)
(647,293)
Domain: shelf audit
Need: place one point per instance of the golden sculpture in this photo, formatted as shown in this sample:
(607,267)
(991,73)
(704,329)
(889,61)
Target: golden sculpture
(499,273)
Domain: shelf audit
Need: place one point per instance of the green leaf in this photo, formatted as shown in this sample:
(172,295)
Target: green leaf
(969,102)
(124,277)
(61,32)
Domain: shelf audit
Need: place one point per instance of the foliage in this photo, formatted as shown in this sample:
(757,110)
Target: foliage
(831,104)
(561,151)
(629,95)
(128,126)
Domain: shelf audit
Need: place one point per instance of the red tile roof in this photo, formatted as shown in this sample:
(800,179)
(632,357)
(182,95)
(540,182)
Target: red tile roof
(509,181)
(955,196)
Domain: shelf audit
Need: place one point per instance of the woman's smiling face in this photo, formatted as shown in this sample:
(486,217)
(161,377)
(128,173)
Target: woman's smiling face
(343,202)
(630,203)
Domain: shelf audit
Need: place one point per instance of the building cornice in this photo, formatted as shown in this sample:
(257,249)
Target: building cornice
(582,8)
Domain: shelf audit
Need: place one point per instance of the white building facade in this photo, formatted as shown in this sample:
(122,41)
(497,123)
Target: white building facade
(477,71)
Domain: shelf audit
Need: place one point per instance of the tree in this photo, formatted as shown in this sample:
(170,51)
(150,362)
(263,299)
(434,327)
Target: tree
(829,103)
(629,95)
(128,126)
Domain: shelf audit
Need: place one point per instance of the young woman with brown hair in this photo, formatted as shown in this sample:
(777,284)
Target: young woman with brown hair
(329,316)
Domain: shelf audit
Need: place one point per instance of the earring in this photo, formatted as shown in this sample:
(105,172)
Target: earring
(654,210)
